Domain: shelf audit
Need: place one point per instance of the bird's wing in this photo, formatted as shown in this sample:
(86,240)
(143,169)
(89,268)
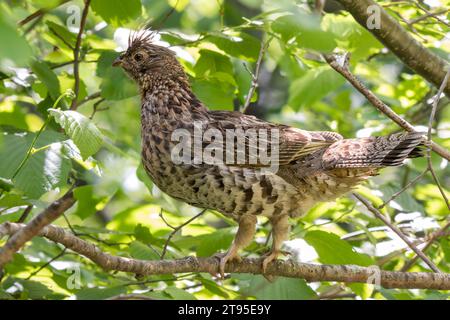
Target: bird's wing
(281,143)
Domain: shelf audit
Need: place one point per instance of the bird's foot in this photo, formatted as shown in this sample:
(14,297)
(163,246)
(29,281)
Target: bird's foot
(224,258)
(270,256)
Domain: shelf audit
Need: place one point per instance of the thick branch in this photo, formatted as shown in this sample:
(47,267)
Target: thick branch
(309,272)
(399,41)
(33,228)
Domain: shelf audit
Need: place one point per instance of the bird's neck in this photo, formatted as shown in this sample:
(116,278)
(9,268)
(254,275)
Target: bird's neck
(165,100)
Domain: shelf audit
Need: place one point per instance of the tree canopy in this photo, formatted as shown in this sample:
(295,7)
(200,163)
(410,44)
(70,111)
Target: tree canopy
(70,169)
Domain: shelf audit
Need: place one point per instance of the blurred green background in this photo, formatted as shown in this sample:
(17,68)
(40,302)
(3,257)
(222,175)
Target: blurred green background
(217,41)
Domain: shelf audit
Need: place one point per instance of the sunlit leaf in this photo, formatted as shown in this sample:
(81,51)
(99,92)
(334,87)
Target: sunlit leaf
(84,133)
(117,12)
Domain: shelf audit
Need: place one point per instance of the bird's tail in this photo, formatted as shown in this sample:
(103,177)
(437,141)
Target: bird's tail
(374,152)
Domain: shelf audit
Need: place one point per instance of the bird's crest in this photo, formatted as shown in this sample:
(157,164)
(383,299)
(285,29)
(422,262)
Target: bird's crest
(141,36)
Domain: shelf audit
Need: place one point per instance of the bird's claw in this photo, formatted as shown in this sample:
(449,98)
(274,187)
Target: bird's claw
(270,256)
(223,259)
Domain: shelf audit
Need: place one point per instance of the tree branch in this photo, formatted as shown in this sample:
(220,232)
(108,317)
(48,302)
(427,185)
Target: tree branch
(255,76)
(399,41)
(76,55)
(342,68)
(309,272)
(33,228)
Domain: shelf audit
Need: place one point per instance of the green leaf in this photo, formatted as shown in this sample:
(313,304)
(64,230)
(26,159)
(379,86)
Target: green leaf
(214,93)
(88,202)
(12,200)
(99,293)
(313,86)
(333,250)
(138,250)
(14,47)
(445,245)
(214,287)
(117,12)
(35,290)
(214,242)
(80,129)
(48,77)
(62,35)
(143,234)
(211,62)
(240,45)
(115,83)
(179,294)
(45,170)
(281,289)
(350,36)
(307,31)
(143,176)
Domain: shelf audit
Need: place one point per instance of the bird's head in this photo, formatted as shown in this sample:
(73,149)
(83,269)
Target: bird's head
(144,60)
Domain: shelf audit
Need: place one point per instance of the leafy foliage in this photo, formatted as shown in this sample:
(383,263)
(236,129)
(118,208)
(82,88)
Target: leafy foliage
(45,145)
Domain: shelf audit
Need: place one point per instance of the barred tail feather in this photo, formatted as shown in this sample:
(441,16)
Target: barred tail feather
(374,152)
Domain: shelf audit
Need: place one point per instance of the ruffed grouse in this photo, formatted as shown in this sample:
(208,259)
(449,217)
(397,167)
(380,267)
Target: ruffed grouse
(313,166)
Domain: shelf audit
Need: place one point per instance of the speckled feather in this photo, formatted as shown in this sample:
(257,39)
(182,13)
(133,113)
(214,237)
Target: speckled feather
(313,166)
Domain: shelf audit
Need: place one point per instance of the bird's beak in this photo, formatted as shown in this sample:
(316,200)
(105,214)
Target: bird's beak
(117,62)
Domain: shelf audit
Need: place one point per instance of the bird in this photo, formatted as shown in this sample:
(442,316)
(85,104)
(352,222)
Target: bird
(311,167)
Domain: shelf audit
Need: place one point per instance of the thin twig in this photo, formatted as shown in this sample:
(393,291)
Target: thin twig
(60,37)
(406,187)
(255,76)
(408,265)
(427,15)
(76,55)
(36,14)
(431,14)
(436,235)
(25,214)
(343,69)
(31,17)
(95,108)
(176,229)
(430,127)
(59,255)
(90,97)
(380,216)
(30,148)
(166,16)
(87,235)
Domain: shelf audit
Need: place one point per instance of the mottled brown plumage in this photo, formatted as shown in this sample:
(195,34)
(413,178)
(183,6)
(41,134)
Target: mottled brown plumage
(313,166)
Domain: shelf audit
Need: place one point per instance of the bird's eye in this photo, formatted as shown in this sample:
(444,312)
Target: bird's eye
(138,57)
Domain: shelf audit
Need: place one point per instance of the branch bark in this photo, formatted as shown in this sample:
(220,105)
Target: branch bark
(309,272)
(19,238)
(399,41)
